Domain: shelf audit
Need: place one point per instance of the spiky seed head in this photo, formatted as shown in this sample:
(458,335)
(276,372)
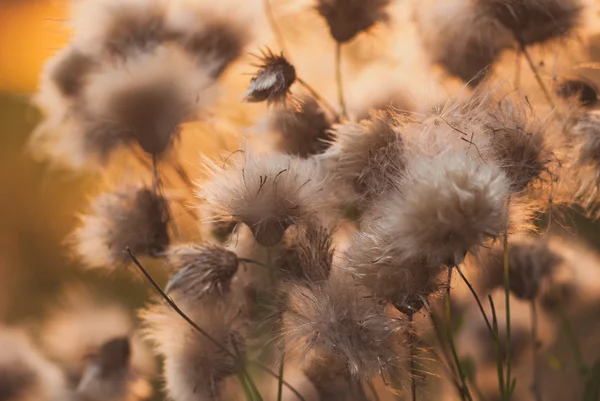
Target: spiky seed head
(306,255)
(579,89)
(347,18)
(195,368)
(201,270)
(302,131)
(536,21)
(333,318)
(134,217)
(272,81)
(268,193)
(364,156)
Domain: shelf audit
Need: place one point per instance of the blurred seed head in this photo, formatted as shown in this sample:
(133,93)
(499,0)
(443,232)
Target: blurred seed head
(365,156)
(332,381)
(585,93)
(24,373)
(194,367)
(302,131)
(119,28)
(69,70)
(108,375)
(272,81)
(462,39)
(347,18)
(530,261)
(268,193)
(133,217)
(536,21)
(334,319)
(306,255)
(200,270)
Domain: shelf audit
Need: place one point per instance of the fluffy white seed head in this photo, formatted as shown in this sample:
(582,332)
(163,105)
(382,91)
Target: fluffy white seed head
(445,207)
(335,319)
(268,193)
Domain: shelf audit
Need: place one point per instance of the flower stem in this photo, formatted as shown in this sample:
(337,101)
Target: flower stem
(508,385)
(465,393)
(572,340)
(318,97)
(200,330)
(536,74)
(338,76)
(535,386)
(410,336)
(275,28)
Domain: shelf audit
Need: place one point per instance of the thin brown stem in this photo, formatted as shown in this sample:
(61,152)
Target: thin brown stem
(318,97)
(479,304)
(410,336)
(536,390)
(536,74)
(339,80)
(275,28)
(199,329)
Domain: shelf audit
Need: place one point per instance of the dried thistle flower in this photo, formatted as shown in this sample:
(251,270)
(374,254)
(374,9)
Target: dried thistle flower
(24,373)
(306,256)
(536,21)
(585,93)
(365,156)
(267,193)
(302,131)
(194,367)
(130,217)
(445,206)
(406,284)
(201,270)
(119,28)
(347,18)
(335,319)
(517,144)
(462,39)
(272,81)
(530,261)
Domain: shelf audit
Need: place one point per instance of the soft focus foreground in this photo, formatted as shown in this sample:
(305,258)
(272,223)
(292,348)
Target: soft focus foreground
(301,200)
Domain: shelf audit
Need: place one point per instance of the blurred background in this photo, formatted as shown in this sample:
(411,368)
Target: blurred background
(39,203)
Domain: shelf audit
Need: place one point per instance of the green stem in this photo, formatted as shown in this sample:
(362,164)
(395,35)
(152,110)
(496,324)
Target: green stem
(280,383)
(573,342)
(508,384)
(536,390)
(499,366)
(338,77)
(465,393)
(410,336)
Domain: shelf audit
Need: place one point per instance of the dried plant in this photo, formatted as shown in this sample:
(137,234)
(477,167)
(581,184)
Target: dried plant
(346,19)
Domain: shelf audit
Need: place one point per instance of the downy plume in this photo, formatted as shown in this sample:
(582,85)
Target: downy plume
(133,217)
(268,193)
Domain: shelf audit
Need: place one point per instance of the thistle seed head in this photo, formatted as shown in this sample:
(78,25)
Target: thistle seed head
(130,217)
(272,81)
(200,270)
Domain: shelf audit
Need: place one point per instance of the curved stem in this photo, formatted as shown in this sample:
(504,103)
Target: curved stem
(536,74)
(318,97)
(338,78)
(479,304)
(200,330)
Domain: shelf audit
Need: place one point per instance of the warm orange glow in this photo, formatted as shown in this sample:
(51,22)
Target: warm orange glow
(30,32)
